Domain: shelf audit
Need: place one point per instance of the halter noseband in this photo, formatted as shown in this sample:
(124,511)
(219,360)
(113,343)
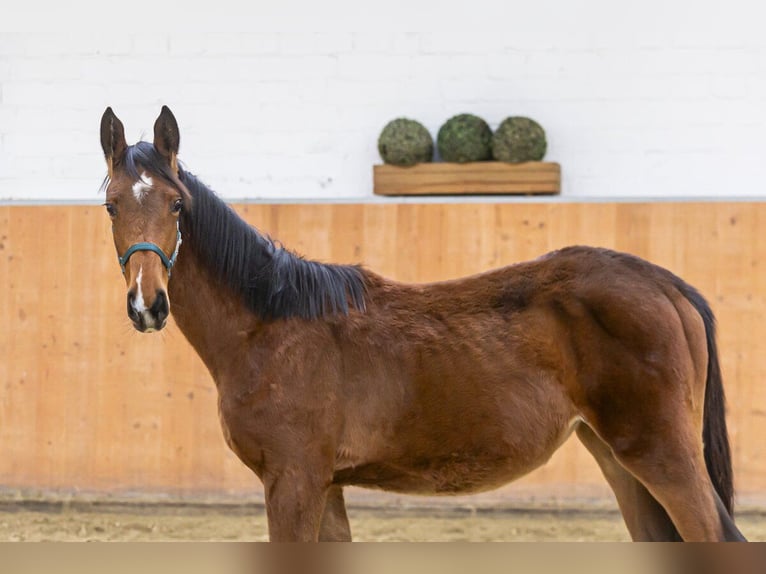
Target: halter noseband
(146,246)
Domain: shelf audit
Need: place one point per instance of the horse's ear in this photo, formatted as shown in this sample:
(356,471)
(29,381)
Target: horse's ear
(112,139)
(166,137)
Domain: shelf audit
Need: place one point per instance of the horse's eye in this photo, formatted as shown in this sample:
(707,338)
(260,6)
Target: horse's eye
(111,209)
(178,205)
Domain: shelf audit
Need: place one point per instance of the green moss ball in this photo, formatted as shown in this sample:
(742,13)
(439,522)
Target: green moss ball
(464,138)
(519,139)
(405,142)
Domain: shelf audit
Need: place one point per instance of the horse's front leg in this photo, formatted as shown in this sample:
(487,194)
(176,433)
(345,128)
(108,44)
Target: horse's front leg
(295,500)
(334,526)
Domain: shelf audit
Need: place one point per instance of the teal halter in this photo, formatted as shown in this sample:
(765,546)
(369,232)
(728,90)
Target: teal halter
(146,246)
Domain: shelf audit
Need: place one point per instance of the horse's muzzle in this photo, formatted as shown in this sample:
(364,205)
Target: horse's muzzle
(148,319)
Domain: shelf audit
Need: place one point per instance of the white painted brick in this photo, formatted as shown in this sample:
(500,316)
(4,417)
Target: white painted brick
(629,108)
(374,65)
(289,92)
(49,69)
(37,145)
(187,45)
(225,44)
(46,189)
(67,95)
(119,95)
(75,166)
(306,117)
(23,167)
(698,61)
(407,43)
(129,69)
(150,45)
(23,119)
(296,44)
(449,67)
(13,44)
(315,43)
(55,44)
(412,89)
(359,116)
(281,68)
(375,42)
(736,86)
(481,90)
(511,65)
(328,43)
(387,42)
(236,45)
(743,113)
(465,40)
(5,69)
(755,86)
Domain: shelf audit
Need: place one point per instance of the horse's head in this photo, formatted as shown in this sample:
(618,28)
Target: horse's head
(144,199)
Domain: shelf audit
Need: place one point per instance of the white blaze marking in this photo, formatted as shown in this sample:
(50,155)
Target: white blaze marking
(140,306)
(143,185)
(138,302)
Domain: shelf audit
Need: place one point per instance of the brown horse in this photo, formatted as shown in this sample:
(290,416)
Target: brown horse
(331,375)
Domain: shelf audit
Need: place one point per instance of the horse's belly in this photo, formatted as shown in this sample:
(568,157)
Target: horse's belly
(448,475)
(464,446)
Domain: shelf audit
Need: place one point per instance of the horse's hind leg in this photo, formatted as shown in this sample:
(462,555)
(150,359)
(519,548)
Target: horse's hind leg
(645,518)
(669,462)
(334,526)
(678,480)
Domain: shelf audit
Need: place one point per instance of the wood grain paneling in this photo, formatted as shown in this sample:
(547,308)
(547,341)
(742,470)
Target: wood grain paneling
(88,404)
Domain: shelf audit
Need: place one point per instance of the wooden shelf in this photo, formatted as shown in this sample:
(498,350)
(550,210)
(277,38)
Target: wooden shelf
(484,177)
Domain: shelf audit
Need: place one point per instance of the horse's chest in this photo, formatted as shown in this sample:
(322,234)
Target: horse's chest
(241,439)
(227,436)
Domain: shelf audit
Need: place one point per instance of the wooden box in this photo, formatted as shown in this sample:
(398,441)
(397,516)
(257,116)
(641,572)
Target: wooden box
(484,177)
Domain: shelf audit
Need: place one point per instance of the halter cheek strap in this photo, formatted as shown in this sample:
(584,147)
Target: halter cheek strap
(168,262)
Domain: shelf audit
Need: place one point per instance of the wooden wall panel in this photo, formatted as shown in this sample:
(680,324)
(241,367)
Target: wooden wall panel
(89,405)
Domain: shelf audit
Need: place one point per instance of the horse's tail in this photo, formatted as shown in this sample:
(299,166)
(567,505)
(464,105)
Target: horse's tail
(714,432)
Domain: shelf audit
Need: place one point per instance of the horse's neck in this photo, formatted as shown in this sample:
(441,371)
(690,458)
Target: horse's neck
(208,314)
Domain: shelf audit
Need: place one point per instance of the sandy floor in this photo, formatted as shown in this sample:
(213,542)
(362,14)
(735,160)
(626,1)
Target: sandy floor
(178,523)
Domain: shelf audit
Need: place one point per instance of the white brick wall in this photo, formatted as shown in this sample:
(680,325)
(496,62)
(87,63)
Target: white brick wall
(657,100)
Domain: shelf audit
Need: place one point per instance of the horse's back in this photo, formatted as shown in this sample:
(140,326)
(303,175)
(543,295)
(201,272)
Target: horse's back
(563,290)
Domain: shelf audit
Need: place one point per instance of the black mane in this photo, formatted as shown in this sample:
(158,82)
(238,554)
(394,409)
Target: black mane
(273,282)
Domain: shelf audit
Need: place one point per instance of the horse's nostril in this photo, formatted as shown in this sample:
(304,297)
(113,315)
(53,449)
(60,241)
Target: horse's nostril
(132,313)
(160,308)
